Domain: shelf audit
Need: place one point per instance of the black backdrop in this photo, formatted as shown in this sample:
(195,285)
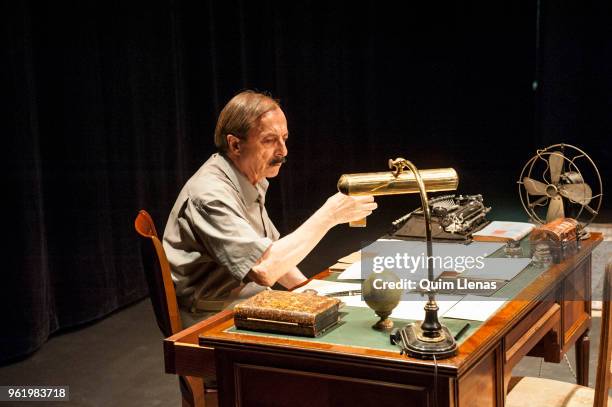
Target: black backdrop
(110,108)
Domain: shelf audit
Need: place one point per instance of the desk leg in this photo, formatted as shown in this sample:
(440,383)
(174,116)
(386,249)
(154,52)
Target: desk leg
(582,359)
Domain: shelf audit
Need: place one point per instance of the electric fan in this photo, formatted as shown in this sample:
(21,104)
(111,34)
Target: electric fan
(561,180)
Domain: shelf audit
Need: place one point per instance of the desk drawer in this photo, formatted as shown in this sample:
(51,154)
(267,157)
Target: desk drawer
(249,377)
(544,318)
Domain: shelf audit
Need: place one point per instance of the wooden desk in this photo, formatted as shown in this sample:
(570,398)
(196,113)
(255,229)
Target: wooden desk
(257,370)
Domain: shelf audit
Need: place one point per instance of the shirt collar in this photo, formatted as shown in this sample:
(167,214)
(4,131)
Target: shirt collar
(251,193)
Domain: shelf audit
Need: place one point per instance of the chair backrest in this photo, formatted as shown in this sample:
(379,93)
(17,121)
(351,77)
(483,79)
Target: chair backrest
(604,366)
(159,279)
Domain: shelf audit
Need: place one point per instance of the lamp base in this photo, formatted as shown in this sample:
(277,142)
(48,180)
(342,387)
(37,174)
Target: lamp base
(422,347)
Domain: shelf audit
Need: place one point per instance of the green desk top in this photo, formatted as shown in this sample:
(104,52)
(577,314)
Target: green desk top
(355,326)
(355,330)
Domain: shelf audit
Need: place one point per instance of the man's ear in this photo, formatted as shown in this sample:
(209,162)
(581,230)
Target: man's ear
(233,144)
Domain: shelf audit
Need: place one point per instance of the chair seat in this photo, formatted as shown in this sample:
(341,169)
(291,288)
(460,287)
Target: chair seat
(536,391)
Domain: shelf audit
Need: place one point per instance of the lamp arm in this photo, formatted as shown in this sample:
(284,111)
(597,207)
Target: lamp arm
(426,213)
(431,325)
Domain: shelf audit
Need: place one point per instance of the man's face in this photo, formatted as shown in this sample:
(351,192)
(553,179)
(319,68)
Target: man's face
(262,153)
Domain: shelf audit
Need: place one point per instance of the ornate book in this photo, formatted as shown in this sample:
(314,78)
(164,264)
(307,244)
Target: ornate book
(286,312)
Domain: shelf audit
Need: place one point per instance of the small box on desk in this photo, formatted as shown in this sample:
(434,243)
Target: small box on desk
(557,239)
(287,312)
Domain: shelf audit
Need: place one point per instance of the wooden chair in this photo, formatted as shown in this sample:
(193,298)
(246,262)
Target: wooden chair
(533,391)
(163,299)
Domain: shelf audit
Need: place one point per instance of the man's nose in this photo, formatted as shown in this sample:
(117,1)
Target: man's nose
(283,148)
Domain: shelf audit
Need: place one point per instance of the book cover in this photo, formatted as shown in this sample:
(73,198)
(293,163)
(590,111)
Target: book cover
(287,312)
(499,231)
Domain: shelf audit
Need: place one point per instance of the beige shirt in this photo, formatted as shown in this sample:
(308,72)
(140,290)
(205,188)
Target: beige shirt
(216,231)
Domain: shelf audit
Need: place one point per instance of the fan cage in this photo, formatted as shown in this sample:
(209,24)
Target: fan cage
(525,201)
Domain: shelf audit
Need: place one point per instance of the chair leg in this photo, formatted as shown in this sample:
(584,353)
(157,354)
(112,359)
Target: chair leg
(192,391)
(197,390)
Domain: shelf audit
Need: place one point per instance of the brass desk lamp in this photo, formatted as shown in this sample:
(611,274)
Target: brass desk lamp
(429,338)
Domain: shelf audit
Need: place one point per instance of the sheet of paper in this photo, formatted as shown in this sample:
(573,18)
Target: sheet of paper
(324,287)
(498,269)
(416,250)
(352,300)
(353,272)
(474,308)
(411,307)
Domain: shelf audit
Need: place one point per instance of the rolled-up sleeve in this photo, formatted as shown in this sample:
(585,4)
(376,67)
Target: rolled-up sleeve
(227,235)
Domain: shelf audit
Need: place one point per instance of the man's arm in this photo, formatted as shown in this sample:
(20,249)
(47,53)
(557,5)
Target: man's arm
(283,255)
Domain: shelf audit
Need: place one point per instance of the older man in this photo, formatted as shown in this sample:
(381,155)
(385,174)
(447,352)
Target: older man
(220,242)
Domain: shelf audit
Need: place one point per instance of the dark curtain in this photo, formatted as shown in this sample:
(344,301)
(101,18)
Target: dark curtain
(574,97)
(111,107)
(97,121)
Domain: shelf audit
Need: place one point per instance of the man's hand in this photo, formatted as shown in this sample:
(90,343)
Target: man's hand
(340,208)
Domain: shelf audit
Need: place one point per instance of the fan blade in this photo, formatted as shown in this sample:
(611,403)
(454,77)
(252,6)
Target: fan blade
(534,187)
(580,193)
(555,209)
(555,161)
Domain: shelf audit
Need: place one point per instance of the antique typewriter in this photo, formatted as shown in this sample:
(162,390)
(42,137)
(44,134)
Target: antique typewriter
(453,217)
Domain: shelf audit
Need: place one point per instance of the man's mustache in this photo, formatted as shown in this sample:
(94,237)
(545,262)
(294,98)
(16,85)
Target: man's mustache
(278,160)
